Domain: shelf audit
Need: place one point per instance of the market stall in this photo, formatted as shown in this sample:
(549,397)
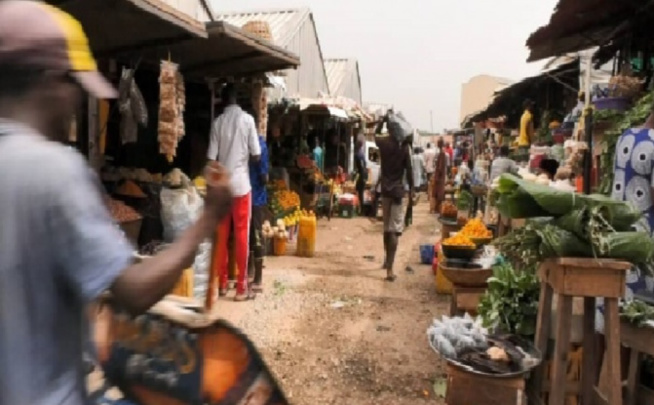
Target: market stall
(150,142)
(571,245)
(311,149)
(583,248)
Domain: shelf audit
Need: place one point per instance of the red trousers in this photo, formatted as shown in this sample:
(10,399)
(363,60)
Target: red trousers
(241,212)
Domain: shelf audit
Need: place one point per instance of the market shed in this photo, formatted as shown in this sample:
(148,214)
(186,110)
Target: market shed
(293,30)
(120,26)
(576,25)
(553,87)
(227,51)
(344,78)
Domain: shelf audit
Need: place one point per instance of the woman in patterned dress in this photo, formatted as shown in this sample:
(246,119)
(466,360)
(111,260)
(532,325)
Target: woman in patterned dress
(633,182)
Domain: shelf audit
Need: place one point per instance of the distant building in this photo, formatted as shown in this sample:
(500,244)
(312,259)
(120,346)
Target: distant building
(429,138)
(477,93)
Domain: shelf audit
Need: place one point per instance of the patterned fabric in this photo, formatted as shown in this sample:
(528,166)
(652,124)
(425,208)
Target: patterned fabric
(154,361)
(633,169)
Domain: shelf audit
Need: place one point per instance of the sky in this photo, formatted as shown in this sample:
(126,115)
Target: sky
(416,54)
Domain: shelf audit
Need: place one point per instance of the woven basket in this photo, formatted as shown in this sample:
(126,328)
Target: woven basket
(259,28)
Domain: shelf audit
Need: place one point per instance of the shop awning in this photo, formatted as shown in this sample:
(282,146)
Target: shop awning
(577,25)
(509,101)
(227,51)
(120,26)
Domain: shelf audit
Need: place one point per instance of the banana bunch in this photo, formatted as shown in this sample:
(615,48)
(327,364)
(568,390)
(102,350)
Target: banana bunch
(293,219)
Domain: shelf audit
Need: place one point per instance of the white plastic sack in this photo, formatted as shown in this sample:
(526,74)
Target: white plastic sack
(201,271)
(398,127)
(179,209)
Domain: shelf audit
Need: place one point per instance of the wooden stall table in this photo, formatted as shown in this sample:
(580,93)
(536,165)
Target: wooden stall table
(591,279)
(641,342)
(468,286)
(448,226)
(465,299)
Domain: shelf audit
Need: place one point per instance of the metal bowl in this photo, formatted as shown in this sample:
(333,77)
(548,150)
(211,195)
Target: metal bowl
(472,275)
(459,252)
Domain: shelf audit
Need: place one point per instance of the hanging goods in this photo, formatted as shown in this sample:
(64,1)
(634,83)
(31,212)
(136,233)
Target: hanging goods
(132,107)
(171,109)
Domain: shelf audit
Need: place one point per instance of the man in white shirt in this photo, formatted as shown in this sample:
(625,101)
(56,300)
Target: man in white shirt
(233,143)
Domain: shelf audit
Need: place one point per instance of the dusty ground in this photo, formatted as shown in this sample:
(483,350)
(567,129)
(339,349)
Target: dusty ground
(332,330)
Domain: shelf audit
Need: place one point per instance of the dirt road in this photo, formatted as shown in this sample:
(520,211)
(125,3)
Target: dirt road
(334,332)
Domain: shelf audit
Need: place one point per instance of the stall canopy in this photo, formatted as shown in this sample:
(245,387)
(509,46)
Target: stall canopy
(577,25)
(341,107)
(227,51)
(509,101)
(119,26)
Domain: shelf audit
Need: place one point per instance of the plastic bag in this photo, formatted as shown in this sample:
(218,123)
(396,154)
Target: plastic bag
(132,107)
(179,209)
(201,270)
(398,126)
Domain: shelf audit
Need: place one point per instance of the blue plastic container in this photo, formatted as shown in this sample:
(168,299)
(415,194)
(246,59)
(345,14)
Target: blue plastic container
(427,253)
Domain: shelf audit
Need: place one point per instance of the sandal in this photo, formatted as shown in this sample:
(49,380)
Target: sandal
(257,288)
(244,297)
(391,278)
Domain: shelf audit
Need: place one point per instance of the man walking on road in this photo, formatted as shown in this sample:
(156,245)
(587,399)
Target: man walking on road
(428,157)
(59,247)
(233,143)
(395,165)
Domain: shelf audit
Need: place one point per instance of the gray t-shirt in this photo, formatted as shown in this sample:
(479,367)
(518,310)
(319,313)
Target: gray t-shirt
(59,250)
(502,165)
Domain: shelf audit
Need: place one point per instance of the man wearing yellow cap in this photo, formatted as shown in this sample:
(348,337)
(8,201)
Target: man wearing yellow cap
(59,248)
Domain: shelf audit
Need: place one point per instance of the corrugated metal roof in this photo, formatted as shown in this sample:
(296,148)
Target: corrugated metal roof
(339,72)
(284,23)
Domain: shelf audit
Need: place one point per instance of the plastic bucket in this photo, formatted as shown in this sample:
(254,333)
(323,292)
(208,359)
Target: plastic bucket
(427,254)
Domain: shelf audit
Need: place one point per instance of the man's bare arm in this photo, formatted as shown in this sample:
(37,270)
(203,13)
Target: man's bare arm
(408,166)
(143,284)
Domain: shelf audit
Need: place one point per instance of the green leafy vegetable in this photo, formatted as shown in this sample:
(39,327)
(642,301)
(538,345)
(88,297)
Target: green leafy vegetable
(637,312)
(465,201)
(510,305)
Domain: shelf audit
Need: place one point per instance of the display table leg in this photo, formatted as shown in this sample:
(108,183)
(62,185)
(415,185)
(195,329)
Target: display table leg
(612,333)
(590,364)
(542,336)
(561,348)
(633,378)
